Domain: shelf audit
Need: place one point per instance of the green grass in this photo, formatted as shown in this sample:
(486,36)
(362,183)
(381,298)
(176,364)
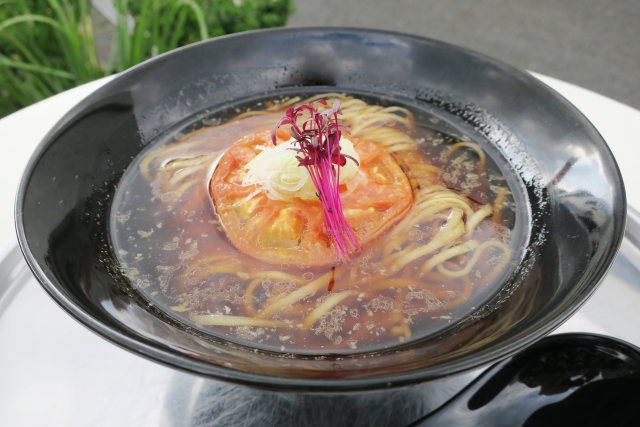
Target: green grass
(48,46)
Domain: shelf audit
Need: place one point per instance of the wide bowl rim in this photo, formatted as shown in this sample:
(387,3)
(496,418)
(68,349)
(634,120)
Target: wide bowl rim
(163,355)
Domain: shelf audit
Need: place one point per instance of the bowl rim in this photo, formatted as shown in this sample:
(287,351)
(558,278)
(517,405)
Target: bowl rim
(163,355)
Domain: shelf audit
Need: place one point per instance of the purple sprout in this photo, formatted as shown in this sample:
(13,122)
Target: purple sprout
(318,150)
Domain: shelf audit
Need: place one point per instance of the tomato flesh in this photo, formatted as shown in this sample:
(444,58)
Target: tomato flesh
(292,231)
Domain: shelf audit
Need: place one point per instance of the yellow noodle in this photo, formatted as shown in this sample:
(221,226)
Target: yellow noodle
(424,167)
(474,147)
(187,185)
(477,217)
(394,244)
(325,307)
(372,119)
(451,231)
(210,261)
(220,269)
(418,216)
(285,104)
(428,213)
(463,296)
(248,295)
(386,136)
(220,320)
(499,204)
(407,113)
(182,174)
(402,329)
(186,162)
(450,199)
(399,147)
(502,261)
(398,283)
(297,295)
(144,167)
(180,308)
(388,261)
(278,275)
(448,194)
(448,254)
(474,259)
(425,192)
(353,272)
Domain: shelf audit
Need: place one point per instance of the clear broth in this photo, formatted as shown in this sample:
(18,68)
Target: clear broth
(164,241)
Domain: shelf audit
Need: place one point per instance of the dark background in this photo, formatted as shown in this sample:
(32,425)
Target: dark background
(591,43)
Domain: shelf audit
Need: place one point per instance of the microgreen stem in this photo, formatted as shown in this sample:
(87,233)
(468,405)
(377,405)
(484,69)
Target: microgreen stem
(318,148)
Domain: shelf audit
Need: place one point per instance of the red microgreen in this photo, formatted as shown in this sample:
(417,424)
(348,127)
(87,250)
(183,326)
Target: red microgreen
(318,148)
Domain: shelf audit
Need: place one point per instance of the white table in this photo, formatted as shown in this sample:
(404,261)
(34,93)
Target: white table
(70,377)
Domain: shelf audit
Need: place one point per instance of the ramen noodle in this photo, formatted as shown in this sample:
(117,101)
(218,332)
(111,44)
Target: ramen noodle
(431,212)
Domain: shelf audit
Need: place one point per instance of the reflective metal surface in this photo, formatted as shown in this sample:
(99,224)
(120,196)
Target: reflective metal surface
(55,372)
(576,196)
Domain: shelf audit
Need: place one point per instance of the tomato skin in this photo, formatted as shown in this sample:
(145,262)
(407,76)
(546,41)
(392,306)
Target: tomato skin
(292,231)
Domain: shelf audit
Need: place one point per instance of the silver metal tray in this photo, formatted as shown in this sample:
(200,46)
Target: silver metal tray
(54,372)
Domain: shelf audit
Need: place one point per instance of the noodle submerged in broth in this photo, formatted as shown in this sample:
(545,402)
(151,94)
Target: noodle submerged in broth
(432,213)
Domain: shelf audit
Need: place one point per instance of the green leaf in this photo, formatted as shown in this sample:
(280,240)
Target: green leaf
(48,46)
(33,67)
(204,33)
(28,18)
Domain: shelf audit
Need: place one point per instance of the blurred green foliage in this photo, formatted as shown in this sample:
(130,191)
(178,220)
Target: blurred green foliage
(48,46)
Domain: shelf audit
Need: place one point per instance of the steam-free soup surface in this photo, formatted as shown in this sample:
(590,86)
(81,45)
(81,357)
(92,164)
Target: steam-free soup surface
(435,262)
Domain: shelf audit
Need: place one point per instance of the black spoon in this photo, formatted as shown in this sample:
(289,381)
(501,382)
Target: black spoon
(563,380)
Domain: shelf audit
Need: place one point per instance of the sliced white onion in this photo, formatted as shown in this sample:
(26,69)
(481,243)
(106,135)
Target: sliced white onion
(276,171)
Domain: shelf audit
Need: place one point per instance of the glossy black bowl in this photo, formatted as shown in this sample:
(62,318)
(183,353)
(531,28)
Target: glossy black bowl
(562,380)
(575,204)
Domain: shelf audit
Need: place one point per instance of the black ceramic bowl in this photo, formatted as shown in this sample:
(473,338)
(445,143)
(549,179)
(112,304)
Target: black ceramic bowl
(575,207)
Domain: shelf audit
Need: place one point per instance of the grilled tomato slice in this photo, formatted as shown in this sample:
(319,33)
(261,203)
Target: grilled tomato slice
(292,231)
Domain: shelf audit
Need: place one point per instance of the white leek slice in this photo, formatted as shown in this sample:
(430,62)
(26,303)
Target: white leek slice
(276,171)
